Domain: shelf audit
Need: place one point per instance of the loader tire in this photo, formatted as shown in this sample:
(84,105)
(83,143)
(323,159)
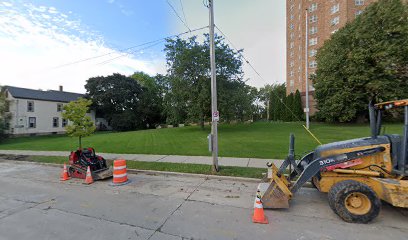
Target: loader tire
(354,201)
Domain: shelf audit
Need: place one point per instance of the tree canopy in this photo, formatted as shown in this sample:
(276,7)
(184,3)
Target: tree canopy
(189,86)
(80,125)
(365,60)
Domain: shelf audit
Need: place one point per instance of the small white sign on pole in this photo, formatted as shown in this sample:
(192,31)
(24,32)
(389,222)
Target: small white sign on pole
(306,110)
(216,116)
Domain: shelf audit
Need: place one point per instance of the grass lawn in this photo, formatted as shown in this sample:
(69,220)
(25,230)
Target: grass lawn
(169,167)
(257,140)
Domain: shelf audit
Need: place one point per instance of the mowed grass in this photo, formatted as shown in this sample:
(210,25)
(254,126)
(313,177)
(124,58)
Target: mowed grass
(256,140)
(169,167)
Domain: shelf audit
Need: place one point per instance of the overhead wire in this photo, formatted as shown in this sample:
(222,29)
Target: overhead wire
(128,48)
(175,12)
(260,76)
(182,10)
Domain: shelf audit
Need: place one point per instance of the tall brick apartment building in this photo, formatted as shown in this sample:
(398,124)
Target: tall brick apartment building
(325,17)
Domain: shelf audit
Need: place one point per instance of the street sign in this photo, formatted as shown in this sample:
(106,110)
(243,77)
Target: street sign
(216,116)
(306,110)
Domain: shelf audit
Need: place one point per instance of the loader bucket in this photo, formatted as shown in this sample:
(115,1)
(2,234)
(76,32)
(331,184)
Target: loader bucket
(275,193)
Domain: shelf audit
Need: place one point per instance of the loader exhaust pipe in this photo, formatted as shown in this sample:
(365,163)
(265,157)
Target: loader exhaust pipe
(373,124)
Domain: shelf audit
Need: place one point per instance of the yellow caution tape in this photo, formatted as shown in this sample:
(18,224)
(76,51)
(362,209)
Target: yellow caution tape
(317,140)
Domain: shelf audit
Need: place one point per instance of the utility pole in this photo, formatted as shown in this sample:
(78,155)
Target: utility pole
(306,73)
(214,111)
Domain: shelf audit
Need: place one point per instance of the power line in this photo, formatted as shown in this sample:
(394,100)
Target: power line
(175,12)
(128,48)
(276,95)
(182,10)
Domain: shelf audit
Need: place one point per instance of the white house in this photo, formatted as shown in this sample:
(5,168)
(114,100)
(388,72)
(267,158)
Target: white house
(37,112)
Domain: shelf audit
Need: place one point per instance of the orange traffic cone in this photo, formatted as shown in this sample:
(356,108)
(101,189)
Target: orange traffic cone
(88,179)
(259,216)
(64,174)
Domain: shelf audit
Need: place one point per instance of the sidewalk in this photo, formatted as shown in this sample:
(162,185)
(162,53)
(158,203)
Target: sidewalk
(223,161)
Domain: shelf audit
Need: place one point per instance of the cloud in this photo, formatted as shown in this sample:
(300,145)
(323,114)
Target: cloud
(36,39)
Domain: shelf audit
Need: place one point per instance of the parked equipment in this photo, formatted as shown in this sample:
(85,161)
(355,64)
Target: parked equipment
(81,159)
(357,174)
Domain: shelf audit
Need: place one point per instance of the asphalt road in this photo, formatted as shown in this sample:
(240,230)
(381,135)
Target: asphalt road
(34,204)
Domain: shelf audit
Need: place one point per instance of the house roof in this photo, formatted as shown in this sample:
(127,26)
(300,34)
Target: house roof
(50,95)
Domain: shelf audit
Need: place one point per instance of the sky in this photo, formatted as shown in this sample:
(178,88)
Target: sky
(48,43)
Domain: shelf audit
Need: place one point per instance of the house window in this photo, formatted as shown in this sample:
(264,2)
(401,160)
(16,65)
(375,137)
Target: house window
(312,41)
(313,30)
(30,106)
(359,2)
(335,8)
(32,122)
(312,52)
(55,122)
(313,7)
(59,107)
(313,19)
(313,64)
(64,122)
(335,21)
(359,12)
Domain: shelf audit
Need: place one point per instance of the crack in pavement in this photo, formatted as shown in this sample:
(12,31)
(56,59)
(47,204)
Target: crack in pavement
(23,207)
(181,204)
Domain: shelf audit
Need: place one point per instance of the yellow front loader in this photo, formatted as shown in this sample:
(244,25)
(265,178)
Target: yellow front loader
(357,174)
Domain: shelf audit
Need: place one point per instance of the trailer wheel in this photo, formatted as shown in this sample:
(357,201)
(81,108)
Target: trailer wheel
(354,201)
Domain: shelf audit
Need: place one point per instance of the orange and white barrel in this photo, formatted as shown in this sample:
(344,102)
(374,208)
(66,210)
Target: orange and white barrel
(119,172)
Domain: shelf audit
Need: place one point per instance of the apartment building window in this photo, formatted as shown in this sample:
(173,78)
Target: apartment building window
(312,41)
(291,83)
(59,107)
(313,30)
(30,106)
(291,54)
(292,35)
(291,16)
(312,64)
(291,7)
(55,122)
(312,52)
(313,19)
(292,44)
(64,122)
(359,2)
(335,21)
(359,12)
(335,8)
(334,31)
(313,7)
(32,122)
(291,26)
(292,63)
(291,74)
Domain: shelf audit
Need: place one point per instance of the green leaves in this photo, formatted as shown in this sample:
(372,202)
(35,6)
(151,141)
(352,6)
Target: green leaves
(365,60)
(80,124)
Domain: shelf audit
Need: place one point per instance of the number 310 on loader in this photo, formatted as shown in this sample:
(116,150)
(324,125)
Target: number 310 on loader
(357,174)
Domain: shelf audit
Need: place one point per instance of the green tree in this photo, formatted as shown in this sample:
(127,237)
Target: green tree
(4,116)
(151,101)
(118,99)
(366,60)
(297,106)
(189,92)
(80,125)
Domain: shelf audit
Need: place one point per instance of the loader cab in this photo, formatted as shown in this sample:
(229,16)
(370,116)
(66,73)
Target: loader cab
(399,143)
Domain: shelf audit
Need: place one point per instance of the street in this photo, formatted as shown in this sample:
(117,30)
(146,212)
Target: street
(34,204)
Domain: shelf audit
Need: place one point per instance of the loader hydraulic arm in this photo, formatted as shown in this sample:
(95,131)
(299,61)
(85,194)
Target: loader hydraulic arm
(314,167)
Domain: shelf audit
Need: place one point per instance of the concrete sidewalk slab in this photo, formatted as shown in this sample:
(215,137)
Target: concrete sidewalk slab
(229,161)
